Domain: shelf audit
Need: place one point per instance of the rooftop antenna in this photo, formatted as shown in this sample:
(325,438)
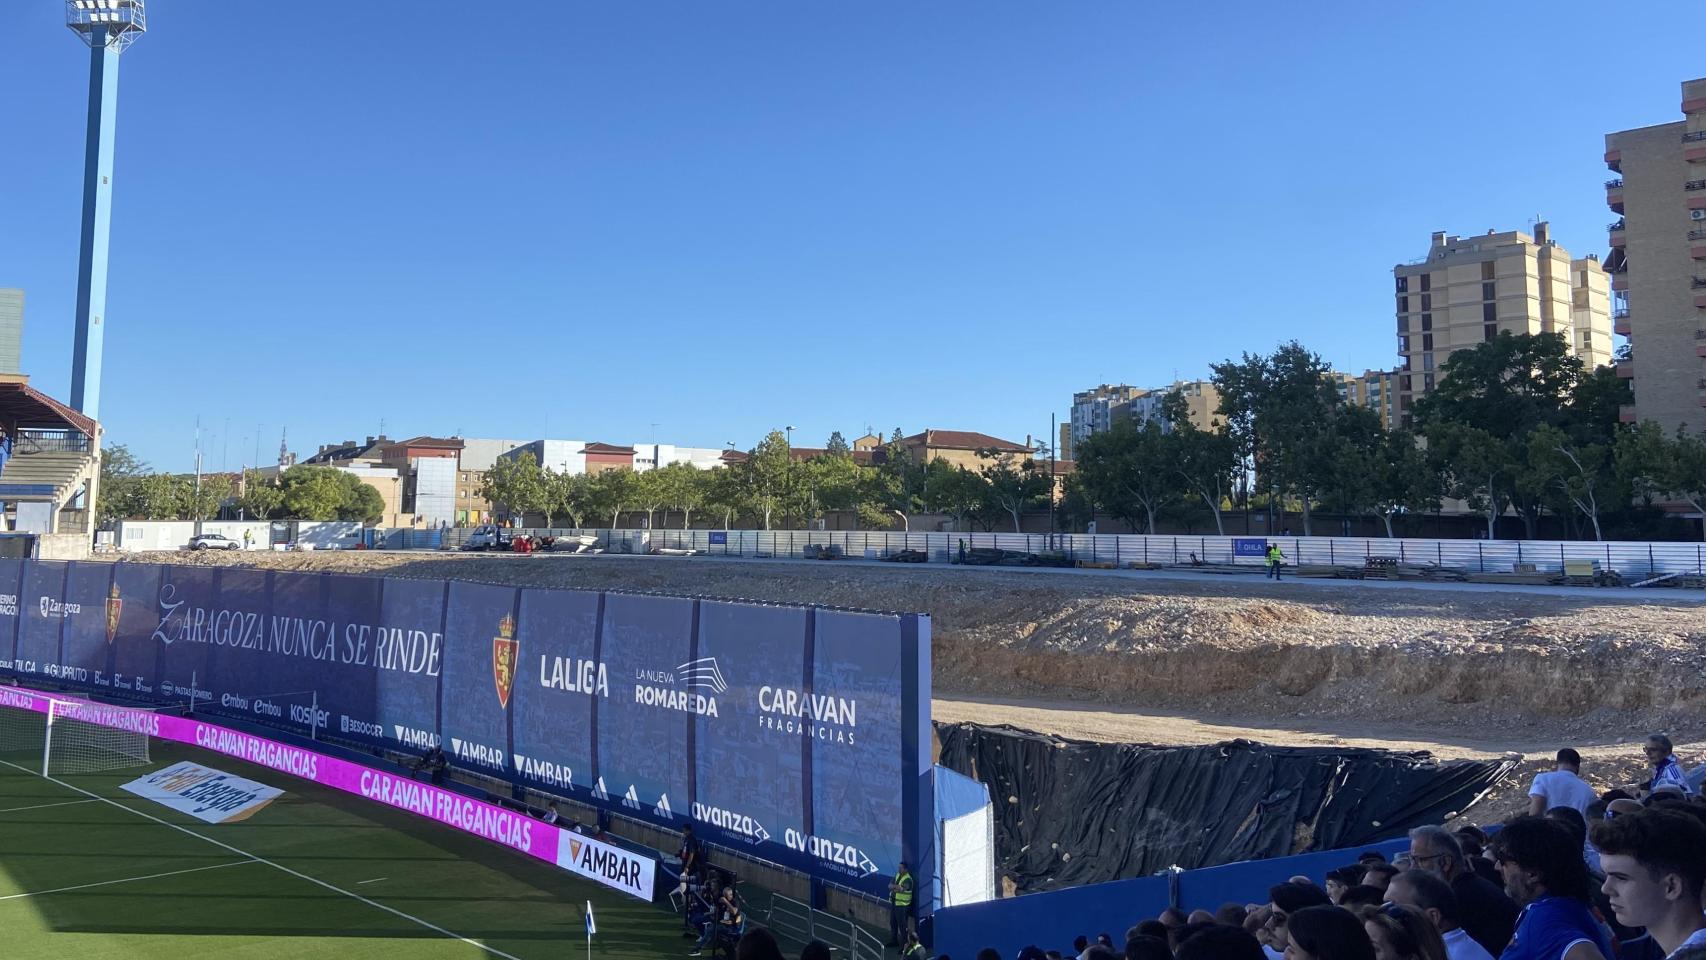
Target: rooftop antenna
(108,27)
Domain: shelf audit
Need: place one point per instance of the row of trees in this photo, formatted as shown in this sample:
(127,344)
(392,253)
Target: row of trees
(129,490)
(773,486)
(1514,425)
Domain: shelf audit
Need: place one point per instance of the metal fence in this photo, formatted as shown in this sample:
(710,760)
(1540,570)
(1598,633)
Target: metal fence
(1633,560)
(796,924)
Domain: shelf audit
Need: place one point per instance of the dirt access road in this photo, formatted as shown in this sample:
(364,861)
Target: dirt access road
(1196,660)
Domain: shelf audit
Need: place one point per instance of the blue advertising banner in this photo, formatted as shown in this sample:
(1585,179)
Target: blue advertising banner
(561,682)
(481,655)
(408,661)
(647,642)
(797,734)
(758,654)
(857,777)
(1249,546)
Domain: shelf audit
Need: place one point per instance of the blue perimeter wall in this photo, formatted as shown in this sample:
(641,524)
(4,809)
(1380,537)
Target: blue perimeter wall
(1050,920)
(800,735)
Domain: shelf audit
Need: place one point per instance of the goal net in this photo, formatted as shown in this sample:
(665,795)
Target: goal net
(73,738)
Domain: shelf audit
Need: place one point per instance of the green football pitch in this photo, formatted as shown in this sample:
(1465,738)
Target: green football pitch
(90,871)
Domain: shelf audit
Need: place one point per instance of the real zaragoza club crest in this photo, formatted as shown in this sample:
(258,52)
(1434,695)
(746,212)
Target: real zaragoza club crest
(504,647)
(114,606)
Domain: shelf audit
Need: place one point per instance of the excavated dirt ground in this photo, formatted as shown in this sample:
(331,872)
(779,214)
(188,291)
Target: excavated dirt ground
(1166,661)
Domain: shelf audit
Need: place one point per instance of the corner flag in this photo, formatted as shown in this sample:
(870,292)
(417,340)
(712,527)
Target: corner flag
(591,925)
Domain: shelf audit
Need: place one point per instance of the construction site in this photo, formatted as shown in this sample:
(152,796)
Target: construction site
(1182,657)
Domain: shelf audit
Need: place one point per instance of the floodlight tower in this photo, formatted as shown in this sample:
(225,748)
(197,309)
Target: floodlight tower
(108,27)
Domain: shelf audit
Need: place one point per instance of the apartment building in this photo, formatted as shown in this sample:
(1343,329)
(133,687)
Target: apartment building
(1374,389)
(1202,400)
(1096,409)
(1469,289)
(428,468)
(1658,262)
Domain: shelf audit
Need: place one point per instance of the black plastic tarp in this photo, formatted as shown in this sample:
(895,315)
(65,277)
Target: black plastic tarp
(1071,812)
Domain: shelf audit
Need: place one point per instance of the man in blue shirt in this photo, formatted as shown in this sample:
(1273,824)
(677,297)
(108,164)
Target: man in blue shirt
(1542,866)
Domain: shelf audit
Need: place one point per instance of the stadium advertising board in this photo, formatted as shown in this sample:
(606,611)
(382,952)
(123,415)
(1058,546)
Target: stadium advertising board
(612,866)
(799,735)
(209,795)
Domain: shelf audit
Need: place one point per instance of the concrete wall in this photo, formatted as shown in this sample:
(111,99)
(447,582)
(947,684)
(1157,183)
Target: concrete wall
(62,546)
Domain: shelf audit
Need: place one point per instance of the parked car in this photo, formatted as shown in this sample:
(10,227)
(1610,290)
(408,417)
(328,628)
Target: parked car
(213,541)
(487,537)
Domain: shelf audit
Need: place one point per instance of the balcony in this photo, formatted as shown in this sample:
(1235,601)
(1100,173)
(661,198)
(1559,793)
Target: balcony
(1698,283)
(1625,369)
(1614,160)
(1697,234)
(1697,252)
(1698,136)
(1626,413)
(1695,185)
(1614,195)
(1620,326)
(1620,283)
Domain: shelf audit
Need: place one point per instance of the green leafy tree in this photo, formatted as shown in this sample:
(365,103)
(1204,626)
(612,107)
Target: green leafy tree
(121,472)
(835,483)
(516,484)
(1129,470)
(1477,467)
(1671,468)
(1206,461)
(687,487)
(161,496)
(609,492)
(1278,410)
(207,497)
(261,496)
(955,491)
(837,445)
(650,492)
(313,493)
(767,473)
(361,501)
(566,493)
(1582,473)
(725,493)
(1015,485)
(1405,480)
(1505,386)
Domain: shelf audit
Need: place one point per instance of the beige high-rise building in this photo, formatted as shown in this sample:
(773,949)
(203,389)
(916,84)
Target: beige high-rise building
(1658,262)
(1202,403)
(1374,389)
(1469,289)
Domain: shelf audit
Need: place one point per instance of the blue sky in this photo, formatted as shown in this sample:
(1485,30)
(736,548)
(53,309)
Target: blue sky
(578,219)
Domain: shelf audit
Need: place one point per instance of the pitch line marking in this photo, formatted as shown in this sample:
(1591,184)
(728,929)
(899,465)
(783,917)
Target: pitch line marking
(44,806)
(276,866)
(108,883)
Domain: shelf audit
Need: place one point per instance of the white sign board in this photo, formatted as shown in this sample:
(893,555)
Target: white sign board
(610,865)
(204,793)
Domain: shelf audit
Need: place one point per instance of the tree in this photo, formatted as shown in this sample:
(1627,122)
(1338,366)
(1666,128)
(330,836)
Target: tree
(687,487)
(1014,485)
(833,483)
(609,492)
(1206,461)
(650,491)
(1278,410)
(121,472)
(261,496)
(725,493)
(955,491)
(1405,481)
(361,501)
(1505,386)
(1129,470)
(516,484)
(837,445)
(160,496)
(1477,467)
(566,493)
(208,496)
(1581,472)
(767,472)
(1661,466)
(313,493)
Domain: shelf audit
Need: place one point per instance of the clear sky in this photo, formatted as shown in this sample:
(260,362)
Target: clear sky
(583,219)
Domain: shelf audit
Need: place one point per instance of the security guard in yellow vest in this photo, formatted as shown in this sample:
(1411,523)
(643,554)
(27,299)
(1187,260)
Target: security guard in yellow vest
(900,905)
(1276,559)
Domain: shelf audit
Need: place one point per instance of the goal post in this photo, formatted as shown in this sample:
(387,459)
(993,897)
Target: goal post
(73,744)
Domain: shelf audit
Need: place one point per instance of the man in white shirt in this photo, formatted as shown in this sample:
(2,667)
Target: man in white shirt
(1434,898)
(1563,787)
(1655,871)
